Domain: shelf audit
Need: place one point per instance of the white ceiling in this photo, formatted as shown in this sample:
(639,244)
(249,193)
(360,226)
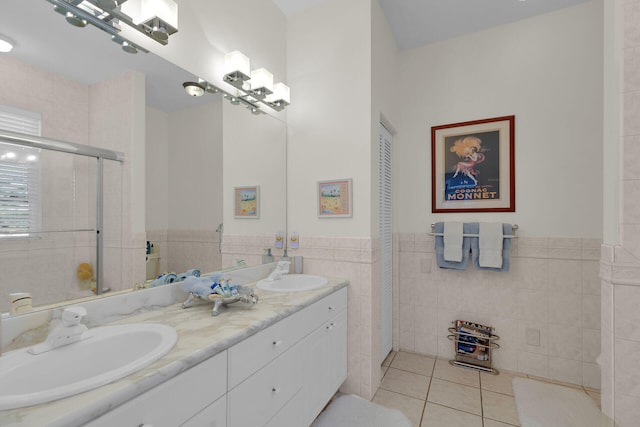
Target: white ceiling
(418,22)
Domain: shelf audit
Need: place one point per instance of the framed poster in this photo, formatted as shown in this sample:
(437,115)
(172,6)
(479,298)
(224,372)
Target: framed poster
(335,199)
(247,202)
(472,166)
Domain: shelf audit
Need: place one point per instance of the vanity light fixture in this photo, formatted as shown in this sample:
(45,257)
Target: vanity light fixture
(202,86)
(255,86)
(156,19)
(5,45)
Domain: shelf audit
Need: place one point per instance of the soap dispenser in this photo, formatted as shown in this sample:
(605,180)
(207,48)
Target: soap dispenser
(285,256)
(267,257)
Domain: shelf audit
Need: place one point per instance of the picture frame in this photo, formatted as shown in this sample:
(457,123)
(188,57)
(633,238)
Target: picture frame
(335,198)
(472,166)
(247,202)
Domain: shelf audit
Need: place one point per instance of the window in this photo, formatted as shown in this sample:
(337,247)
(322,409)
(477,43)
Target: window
(20,211)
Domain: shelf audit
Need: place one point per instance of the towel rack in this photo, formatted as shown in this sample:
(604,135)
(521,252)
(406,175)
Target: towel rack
(514,228)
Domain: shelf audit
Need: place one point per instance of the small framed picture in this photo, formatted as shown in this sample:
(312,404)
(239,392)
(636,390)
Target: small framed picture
(335,199)
(247,202)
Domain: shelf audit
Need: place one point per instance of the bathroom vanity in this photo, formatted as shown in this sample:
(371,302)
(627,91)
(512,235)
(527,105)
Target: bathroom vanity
(273,364)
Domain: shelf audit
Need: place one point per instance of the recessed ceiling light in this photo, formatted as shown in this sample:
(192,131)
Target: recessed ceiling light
(5,45)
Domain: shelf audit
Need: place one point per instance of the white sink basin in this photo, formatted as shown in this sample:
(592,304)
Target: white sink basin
(293,283)
(111,353)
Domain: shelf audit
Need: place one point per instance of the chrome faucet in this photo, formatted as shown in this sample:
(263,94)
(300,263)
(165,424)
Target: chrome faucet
(68,332)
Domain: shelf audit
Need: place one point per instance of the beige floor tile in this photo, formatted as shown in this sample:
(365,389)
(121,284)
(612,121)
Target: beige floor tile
(387,360)
(499,407)
(501,383)
(412,362)
(440,416)
(445,371)
(407,383)
(409,406)
(456,396)
(493,423)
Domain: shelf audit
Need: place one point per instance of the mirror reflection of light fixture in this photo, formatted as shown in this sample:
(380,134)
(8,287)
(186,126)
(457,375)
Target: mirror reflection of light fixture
(156,19)
(193,88)
(258,88)
(6,45)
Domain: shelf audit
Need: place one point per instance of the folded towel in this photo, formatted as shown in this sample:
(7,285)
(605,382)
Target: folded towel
(466,245)
(490,244)
(452,237)
(200,286)
(476,251)
(194,272)
(164,279)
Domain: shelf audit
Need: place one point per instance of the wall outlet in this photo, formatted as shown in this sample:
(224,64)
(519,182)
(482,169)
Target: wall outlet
(532,337)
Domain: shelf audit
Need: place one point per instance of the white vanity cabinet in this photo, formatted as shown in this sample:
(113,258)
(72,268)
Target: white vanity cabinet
(178,401)
(293,386)
(325,362)
(280,377)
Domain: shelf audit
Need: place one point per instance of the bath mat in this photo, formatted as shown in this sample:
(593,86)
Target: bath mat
(353,411)
(542,404)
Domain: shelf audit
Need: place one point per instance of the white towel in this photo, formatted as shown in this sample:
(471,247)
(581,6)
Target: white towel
(490,244)
(452,237)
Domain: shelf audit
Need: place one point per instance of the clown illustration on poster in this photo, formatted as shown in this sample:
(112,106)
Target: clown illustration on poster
(472,166)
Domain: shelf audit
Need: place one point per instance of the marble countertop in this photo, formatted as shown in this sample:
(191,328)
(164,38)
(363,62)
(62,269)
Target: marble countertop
(200,336)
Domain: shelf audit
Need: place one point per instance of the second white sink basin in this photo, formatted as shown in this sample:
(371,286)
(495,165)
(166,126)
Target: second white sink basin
(111,353)
(293,283)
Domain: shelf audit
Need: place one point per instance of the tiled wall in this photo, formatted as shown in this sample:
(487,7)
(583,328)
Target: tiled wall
(355,259)
(620,265)
(552,287)
(71,111)
(45,266)
(187,249)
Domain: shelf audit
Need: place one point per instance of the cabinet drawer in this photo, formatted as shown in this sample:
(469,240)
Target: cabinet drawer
(255,401)
(214,415)
(248,356)
(333,304)
(198,387)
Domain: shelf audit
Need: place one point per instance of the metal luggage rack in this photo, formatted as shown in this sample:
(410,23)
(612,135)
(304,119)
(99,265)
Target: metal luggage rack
(483,344)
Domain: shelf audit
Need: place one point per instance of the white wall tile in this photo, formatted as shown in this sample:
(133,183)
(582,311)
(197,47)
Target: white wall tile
(539,292)
(566,370)
(627,369)
(627,314)
(565,341)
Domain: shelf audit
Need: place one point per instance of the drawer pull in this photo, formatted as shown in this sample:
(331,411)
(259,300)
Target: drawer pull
(277,343)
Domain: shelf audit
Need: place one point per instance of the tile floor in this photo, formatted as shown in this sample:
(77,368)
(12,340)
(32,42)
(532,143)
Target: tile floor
(433,393)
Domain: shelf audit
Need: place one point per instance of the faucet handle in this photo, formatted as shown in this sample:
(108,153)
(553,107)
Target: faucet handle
(73,315)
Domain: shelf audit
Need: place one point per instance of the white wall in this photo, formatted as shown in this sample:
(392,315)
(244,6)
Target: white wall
(329,55)
(254,154)
(547,71)
(384,68)
(157,171)
(195,167)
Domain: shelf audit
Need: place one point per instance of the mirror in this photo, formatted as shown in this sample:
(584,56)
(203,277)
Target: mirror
(169,189)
